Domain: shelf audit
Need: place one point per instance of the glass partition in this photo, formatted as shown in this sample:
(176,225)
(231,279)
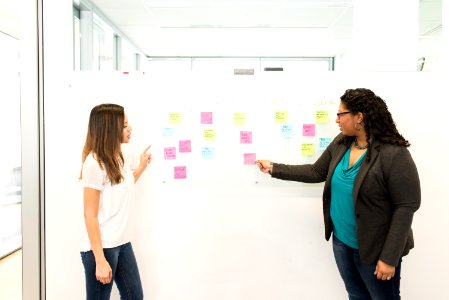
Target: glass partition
(10,172)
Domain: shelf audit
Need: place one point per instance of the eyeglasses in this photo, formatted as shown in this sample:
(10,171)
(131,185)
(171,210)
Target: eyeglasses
(342,113)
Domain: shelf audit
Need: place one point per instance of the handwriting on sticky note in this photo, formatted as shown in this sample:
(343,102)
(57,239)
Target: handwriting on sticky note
(169,132)
(324,142)
(286,131)
(209,134)
(180,172)
(170,153)
(185,146)
(322,116)
(307,149)
(208,152)
(308,130)
(174,118)
(239,118)
(246,137)
(281,116)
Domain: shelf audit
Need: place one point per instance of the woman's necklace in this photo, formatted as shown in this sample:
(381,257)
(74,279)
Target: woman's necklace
(360,147)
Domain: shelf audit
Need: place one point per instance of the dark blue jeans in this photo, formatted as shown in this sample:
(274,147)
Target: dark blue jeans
(124,272)
(359,278)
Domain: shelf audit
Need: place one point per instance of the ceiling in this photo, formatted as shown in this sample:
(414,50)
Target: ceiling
(144,20)
(140,20)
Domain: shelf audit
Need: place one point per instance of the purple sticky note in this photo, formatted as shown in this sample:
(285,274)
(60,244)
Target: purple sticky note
(206,118)
(180,172)
(249,158)
(308,130)
(170,153)
(246,137)
(185,146)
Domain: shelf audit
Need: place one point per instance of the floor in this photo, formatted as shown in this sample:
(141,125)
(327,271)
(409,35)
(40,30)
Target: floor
(11,276)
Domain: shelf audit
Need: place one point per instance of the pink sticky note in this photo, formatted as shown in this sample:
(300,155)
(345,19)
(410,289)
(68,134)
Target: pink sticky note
(170,153)
(249,158)
(206,118)
(185,146)
(180,172)
(308,130)
(246,137)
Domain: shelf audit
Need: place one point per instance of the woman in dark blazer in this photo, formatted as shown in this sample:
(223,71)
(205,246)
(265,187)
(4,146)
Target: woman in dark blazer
(371,192)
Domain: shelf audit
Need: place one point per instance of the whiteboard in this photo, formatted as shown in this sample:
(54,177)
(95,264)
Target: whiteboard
(226,231)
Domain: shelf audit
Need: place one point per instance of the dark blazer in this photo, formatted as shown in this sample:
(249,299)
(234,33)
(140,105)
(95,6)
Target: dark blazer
(386,195)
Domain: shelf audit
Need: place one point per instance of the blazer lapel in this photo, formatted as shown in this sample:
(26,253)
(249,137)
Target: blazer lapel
(364,168)
(339,152)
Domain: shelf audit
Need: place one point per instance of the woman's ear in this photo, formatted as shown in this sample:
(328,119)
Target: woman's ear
(360,117)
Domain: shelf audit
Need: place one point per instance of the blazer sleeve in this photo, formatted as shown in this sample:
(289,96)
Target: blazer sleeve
(404,188)
(308,173)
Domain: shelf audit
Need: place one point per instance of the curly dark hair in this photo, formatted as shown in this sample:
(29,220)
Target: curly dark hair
(377,120)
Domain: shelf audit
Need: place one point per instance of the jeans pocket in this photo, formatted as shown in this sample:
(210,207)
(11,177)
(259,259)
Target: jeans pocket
(84,256)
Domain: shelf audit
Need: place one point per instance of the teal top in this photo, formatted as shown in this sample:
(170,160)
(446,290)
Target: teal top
(342,202)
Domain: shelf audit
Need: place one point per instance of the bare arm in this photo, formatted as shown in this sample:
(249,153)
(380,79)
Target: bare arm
(91,203)
(145,160)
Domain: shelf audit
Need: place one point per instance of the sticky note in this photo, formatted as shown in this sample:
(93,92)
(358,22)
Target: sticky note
(206,118)
(281,116)
(239,118)
(249,158)
(246,137)
(307,149)
(170,153)
(208,152)
(322,117)
(185,146)
(324,142)
(180,172)
(308,129)
(174,118)
(209,134)
(286,131)
(169,132)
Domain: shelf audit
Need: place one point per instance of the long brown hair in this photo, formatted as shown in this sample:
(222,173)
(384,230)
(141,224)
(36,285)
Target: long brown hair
(104,138)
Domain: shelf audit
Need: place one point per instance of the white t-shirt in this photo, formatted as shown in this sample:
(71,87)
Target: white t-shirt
(114,204)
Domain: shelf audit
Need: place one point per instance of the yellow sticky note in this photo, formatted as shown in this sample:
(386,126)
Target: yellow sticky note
(209,135)
(174,118)
(239,118)
(322,116)
(281,116)
(307,149)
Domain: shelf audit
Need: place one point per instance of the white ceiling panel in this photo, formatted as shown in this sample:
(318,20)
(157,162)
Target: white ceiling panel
(141,19)
(177,17)
(243,16)
(310,17)
(129,16)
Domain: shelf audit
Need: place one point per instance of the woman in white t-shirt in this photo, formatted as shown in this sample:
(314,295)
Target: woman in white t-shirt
(106,251)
